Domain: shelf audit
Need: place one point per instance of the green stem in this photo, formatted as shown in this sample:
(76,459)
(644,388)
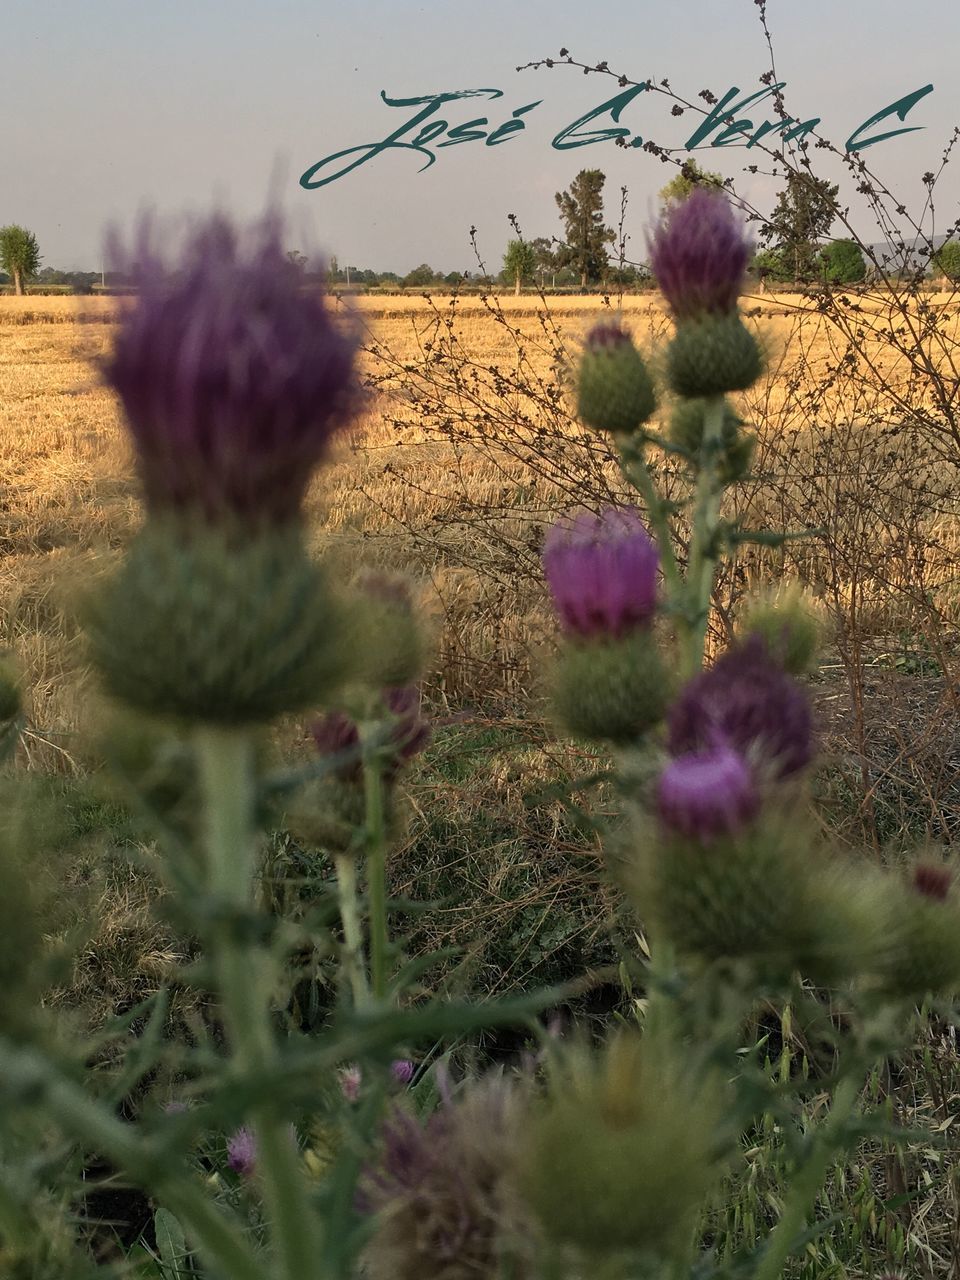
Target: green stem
(352,964)
(703,558)
(376,873)
(635,470)
(226,760)
(807,1183)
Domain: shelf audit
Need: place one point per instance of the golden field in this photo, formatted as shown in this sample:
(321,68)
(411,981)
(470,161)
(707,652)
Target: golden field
(405,494)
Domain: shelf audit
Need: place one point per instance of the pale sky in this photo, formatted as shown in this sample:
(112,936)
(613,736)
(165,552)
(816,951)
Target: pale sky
(110,107)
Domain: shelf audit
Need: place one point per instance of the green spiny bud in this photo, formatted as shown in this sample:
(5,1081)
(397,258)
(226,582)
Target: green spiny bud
(614,389)
(712,355)
(787,625)
(210,628)
(623,1152)
(736,446)
(611,690)
(386,639)
(922,951)
(763,895)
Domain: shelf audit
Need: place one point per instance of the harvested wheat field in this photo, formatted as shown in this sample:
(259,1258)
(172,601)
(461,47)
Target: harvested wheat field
(468,448)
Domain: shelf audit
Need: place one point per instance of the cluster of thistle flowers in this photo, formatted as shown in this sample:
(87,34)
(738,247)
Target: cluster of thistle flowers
(721,855)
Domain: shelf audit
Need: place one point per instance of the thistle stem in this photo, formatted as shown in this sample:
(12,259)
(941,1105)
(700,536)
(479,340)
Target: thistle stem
(808,1181)
(353,967)
(226,762)
(635,470)
(703,552)
(376,873)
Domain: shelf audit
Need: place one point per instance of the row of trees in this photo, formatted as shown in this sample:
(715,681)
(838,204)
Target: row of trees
(793,251)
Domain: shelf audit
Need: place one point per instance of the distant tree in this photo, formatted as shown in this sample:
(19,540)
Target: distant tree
(769,265)
(19,255)
(545,258)
(690,176)
(419,277)
(453,278)
(581,209)
(842,262)
(519,262)
(946,260)
(804,213)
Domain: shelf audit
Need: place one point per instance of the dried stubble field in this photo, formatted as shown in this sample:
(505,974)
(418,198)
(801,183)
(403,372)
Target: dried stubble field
(394,493)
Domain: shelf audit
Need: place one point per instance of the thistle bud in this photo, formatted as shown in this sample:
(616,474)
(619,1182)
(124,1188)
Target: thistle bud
(622,1154)
(922,930)
(204,628)
(713,355)
(786,626)
(736,446)
(386,637)
(699,255)
(602,572)
(612,690)
(615,392)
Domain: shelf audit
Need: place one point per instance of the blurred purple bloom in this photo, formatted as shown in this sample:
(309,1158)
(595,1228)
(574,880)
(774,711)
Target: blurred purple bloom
(242,1152)
(407,736)
(438,1187)
(708,794)
(602,571)
(932,881)
(747,702)
(351,1079)
(232,375)
(607,336)
(402,1070)
(699,253)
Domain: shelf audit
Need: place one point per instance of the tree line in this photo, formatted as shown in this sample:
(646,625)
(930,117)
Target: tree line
(792,248)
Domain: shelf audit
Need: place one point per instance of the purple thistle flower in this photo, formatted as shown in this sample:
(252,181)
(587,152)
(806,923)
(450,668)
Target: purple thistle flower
(602,572)
(408,733)
(232,375)
(439,1187)
(699,254)
(747,702)
(402,1070)
(607,336)
(242,1152)
(708,794)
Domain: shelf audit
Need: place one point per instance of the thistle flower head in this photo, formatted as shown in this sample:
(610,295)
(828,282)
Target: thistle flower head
(402,1070)
(242,1152)
(699,255)
(408,733)
(707,794)
(602,572)
(438,1187)
(747,702)
(232,376)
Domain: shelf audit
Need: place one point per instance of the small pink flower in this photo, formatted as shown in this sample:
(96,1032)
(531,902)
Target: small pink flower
(402,1070)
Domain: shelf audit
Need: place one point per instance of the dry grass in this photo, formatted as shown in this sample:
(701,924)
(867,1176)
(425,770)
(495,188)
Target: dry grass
(395,494)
